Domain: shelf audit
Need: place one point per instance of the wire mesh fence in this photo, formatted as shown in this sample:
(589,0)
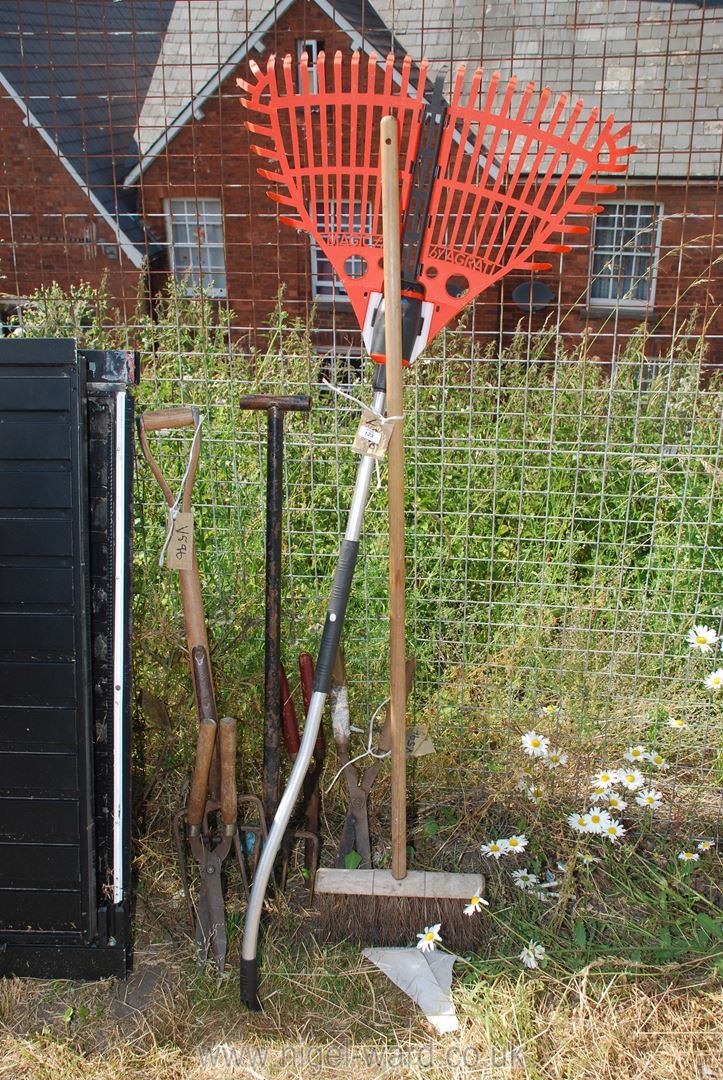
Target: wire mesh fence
(563,442)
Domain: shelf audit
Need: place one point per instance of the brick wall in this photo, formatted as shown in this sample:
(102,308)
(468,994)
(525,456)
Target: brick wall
(49,229)
(211,158)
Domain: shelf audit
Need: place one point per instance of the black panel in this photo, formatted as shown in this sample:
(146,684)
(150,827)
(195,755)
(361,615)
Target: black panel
(57,606)
(45,669)
(40,633)
(53,536)
(53,729)
(40,866)
(36,820)
(24,910)
(44,773)
(40,487)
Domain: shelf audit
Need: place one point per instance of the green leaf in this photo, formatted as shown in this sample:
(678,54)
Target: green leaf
(431,827)
(68,1014)
(580,934)
(352,860)
(83,1013)
(714,927)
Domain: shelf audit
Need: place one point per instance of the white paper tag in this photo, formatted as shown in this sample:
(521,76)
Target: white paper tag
(179,554)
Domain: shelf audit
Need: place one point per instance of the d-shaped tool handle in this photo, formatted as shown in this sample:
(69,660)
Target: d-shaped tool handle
(160,419)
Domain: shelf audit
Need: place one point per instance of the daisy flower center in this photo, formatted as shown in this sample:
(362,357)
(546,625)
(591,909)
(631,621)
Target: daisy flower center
(429,936)
(513,843)
(534,742)
(702,639)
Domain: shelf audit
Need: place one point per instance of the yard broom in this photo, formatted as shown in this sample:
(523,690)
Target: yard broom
(386,907)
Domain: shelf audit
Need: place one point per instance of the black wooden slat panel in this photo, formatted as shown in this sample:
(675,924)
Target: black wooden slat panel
(39,820)
(28,728)
(52,394)
(33,441)
(38,632)
(19,536)
(46,585)
(25,909)
(36,488)
(28,683)
(39,866)
(47,858)
(42,773)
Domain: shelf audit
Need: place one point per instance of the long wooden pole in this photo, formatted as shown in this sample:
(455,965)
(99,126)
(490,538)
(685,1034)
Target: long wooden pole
(395,407)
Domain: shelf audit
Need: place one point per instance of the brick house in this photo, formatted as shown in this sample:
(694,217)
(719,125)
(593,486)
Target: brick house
(177,182)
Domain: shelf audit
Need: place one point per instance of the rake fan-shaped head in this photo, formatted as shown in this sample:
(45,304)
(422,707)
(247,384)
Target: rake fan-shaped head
(507,179)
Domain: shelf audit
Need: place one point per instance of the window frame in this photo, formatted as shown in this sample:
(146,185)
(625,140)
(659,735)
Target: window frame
(631,304)
(196,271)
(312,46)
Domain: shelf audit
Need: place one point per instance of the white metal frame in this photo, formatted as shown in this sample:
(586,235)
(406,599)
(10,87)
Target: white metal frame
(629,303)
(196,268)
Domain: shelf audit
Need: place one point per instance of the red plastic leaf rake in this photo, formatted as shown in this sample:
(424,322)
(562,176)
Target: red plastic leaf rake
(504,185)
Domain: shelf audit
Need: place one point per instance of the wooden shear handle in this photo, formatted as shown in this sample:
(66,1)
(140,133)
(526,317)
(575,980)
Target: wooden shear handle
(199,782)
(227,740)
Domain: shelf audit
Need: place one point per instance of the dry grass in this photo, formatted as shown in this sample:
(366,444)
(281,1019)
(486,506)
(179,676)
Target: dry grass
(328,1013)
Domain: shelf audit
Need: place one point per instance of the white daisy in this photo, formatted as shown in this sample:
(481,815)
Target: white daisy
(586,858)
(534,744)
(598,820)
(613,830)
(494,849)
(549,710)
(535,792)
(657,760)
(649,797)
(555,758)
(599,794)
(705,845)
(688,856)
(532,954)
(604,779)
(515,843)
(635,754)
(714,681)
(476,903)
(429,938)
(675,723)
(632,779)
(615,801)
(579,822)
(524,880)
(702,638)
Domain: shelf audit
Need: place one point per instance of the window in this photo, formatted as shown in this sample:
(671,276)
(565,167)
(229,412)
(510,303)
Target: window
(312,48)
(195,229)
(626,239)
(325,285)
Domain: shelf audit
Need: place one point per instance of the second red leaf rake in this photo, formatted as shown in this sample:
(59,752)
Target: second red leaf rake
(488,183)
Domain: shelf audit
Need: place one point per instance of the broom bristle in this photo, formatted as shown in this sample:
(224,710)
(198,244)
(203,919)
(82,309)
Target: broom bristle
(396,920)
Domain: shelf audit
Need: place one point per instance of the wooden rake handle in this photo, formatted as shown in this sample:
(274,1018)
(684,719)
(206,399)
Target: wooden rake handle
(395,406)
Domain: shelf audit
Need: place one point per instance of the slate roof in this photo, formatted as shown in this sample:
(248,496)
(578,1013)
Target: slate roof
(82,69)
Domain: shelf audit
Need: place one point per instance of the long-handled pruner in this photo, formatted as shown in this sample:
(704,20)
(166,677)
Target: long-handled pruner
(213,787)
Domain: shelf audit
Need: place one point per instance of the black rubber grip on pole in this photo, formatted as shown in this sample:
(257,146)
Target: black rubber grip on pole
(335,615)
(249,984)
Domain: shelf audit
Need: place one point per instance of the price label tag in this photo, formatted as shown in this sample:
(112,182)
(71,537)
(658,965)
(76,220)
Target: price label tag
(179,554)
(373,435)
